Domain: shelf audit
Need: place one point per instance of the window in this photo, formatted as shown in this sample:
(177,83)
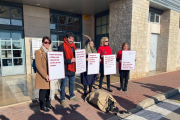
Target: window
(10,15)
(153,17)
(66,23)
(102,25)
(59,39)
(60,24)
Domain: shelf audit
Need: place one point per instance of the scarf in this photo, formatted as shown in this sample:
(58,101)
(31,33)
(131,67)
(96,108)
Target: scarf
(69,54)
(45,50)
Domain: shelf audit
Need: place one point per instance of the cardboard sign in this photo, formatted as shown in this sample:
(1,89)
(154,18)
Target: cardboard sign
(128,60)
(109,64)
(80,61)
(93,63)
(56,68)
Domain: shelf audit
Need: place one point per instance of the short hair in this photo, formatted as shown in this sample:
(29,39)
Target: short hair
(103,40)
(46,37)
(69,34)
(125,43)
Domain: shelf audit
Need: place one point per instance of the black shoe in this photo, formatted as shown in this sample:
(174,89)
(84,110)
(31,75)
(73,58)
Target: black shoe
(110,90)
(89,91)
(100,88)
(85,93)
(50,107)
(120,88)
(45,109)
(125,89)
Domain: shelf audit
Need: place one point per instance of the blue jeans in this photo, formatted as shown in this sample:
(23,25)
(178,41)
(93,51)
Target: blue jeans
(71,87)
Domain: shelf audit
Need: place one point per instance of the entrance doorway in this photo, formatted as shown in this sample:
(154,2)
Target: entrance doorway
(153,52)
(12,54)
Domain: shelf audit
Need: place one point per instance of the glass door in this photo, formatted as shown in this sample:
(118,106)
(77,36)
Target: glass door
(12,53)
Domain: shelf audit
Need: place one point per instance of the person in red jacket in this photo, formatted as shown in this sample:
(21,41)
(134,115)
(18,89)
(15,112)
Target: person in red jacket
(104,49)
(123,73)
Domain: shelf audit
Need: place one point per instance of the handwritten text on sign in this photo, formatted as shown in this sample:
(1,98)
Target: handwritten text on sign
(80,61)
(93,63)
(109,64)
(56,65)
(128,60)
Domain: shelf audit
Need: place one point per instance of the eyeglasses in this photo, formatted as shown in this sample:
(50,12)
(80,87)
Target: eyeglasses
(47,43)
(106,41)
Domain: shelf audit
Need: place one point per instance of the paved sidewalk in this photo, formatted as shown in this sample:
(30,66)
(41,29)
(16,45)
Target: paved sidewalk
(138,90)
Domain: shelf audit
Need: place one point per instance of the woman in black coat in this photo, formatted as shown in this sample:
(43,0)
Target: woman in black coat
(88,79)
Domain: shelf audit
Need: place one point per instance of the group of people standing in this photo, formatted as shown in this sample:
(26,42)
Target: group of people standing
(68,48)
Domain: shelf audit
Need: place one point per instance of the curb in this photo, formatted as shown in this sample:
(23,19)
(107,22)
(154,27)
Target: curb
(147,103)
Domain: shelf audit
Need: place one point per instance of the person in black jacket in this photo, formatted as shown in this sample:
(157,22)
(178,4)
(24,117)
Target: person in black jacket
(68,48)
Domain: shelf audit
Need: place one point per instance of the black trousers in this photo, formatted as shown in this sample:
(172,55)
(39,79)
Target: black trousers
(85,88)
(124,74)
(102,77)
(44,97)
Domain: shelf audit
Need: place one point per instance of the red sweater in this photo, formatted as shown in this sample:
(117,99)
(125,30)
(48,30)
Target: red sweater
(119,57)
(104,50)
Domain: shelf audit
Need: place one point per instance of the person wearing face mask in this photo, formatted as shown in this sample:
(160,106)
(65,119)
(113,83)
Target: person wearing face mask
(88,79)
(104,49)
(68,48)
(123,73)
(42,79)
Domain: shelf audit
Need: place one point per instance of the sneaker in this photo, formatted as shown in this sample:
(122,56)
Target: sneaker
(74,99)
(120,88)
(63,103)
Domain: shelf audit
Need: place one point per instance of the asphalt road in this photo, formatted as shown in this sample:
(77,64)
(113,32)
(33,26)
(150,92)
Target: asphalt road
(166,110)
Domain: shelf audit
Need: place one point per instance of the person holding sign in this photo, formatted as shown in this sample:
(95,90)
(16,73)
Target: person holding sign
(42,78)
(88,79)
(104,49)
(123,73)
(68,47)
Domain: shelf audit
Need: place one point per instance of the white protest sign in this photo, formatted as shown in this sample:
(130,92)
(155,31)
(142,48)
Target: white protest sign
(80,61)
(56,65)
(93,63)
(109,64)
(128,60)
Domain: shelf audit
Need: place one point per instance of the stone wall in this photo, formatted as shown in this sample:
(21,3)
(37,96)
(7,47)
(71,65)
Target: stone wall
(88,28)
(36,24)
(173,41)
(162,45)
(178,53)
(139,38)
(168,41)
(120,20)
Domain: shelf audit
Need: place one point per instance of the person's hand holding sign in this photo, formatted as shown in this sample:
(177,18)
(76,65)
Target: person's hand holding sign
(73,60)
(47,78)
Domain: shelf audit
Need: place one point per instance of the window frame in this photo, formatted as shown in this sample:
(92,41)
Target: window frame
(154,18)
(10,17)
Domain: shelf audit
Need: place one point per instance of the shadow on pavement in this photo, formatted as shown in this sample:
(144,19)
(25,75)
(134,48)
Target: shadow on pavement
(154,87)
(69,113)
(124,103)
(38,115)
(2,117)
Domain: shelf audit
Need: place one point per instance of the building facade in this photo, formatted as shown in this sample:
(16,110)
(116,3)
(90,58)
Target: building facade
(151,27)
